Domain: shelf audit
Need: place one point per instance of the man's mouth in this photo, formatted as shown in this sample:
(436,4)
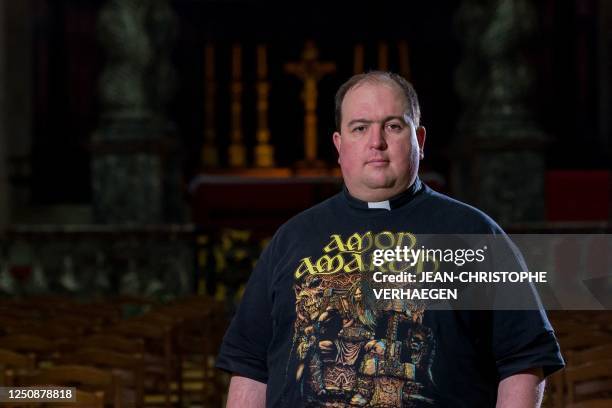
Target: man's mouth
(378,162)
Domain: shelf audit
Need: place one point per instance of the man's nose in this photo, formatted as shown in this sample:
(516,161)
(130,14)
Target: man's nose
(377,138)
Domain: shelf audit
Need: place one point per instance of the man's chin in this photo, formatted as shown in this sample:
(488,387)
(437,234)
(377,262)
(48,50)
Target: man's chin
(380,184)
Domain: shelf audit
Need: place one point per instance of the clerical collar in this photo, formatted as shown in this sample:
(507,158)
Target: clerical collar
(390,204)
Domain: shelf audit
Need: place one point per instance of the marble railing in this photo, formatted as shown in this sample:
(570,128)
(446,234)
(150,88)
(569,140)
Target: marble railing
(99,260)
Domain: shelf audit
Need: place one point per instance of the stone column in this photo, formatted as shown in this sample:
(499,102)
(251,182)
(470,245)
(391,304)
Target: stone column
(4,182)
(499,161)
(17,93)
(134,165)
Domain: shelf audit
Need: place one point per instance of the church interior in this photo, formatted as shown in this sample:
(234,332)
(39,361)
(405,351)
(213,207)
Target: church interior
(150,149)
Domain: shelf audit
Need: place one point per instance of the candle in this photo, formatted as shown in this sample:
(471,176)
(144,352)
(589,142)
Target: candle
(262,67)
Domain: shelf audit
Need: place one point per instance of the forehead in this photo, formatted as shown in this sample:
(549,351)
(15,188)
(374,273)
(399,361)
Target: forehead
(369,100)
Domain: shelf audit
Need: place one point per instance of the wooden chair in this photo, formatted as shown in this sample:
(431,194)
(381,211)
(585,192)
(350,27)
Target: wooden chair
(555,394)
(197,348)
(584,340)
(594,403)
(47,329)
(84,377)
(569,327)
(589,355)
(199,337)
(589,381)
(70,318)
(106,341)
(129,368)
(6,322)
(19,310)
(105,313)
(578,348)
(158,356)
(576,358)
(45,304)
(35,346)
(114,342)
(174,317)
(13,364)
(133,305)
(84,399)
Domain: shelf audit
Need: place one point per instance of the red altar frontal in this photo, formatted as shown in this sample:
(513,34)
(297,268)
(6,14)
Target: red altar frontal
(258,202)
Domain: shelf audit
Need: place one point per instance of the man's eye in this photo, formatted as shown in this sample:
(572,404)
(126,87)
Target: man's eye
(359,129)
(394,127)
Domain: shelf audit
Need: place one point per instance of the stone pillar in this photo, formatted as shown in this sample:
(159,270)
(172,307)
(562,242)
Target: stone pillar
(499,162)
(134,161)
(17,89)
(4,182)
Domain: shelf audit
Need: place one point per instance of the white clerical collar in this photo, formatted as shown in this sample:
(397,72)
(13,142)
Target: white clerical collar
(391,204)
(384,205)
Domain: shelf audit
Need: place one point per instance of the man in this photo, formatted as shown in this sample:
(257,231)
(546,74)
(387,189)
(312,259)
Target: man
(306,333)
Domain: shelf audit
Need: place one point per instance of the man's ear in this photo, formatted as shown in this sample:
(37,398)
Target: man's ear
(337,142)
(421,136)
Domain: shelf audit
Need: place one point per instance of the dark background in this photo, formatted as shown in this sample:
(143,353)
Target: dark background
(67,60)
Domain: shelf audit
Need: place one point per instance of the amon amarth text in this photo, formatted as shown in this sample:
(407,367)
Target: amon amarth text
(355,254)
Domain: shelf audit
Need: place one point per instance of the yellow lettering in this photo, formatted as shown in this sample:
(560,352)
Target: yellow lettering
(354,242)
(393,266)
(384,240)
(335,243)
(327,265)
(305,266)
(367,237)
(354,265)
(411,240)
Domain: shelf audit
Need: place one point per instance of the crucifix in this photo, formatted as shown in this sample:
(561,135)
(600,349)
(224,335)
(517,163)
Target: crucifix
(310,71)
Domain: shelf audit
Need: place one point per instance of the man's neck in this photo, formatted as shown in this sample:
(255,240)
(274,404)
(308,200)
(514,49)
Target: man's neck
(379,195)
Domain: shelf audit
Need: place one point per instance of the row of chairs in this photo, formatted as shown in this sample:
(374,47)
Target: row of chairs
(585,338)
(146,353)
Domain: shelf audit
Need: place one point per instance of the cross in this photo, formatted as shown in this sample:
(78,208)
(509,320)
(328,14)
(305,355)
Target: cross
(310,71)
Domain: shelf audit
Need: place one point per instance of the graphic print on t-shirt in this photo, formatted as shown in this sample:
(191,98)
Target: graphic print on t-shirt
(349,349)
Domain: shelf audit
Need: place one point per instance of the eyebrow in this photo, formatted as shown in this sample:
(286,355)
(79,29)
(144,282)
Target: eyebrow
(368,121)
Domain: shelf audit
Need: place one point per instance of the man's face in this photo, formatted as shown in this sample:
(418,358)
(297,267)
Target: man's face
(379,149)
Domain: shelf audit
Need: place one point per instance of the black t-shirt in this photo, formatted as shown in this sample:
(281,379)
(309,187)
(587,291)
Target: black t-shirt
(304,326)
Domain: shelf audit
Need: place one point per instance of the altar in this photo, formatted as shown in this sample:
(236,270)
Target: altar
(257,203)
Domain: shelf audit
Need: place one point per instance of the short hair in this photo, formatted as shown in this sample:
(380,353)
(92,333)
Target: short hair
(412,100)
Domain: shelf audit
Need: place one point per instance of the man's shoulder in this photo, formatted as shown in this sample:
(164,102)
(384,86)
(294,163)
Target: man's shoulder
(457,216)
(309,218)
(317,213)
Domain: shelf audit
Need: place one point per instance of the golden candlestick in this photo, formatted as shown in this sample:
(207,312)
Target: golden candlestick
(264,152)
(262,62)
(310,71)
(210,154)
(236,150)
